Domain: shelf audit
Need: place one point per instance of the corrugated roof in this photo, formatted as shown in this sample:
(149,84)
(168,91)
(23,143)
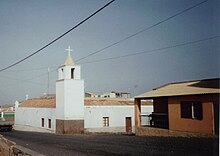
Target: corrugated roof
(51,102)
(209,86)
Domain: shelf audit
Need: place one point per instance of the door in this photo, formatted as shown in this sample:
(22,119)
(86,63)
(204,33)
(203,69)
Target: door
(128,124)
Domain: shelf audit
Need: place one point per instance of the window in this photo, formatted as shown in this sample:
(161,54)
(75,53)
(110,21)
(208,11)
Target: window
(42,122)
(191,110)
(105,121)
(72,73)
(49,123)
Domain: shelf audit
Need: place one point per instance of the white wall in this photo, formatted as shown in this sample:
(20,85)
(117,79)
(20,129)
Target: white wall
(64,72)
(60,99)
(29,119)
(93,117)
(70,99)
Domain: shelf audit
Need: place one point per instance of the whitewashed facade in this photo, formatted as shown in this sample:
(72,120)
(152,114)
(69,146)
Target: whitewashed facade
(116,115)
(30,119)
(69,108)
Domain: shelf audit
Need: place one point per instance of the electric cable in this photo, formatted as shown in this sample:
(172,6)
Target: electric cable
(143,30)
(154,50)
(39,50)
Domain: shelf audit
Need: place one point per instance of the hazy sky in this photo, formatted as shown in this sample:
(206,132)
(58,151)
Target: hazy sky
(27,25)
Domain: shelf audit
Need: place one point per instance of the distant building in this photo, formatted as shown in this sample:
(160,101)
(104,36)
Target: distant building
(116,95)
(189,107)
(90,95)
(7,107)
(7,112)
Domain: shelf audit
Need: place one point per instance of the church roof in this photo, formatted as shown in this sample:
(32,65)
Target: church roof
(51,102)
(69,60)
(111,102)
(39,102)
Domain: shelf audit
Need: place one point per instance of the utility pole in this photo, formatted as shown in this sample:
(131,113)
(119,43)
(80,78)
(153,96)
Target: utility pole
(48,81)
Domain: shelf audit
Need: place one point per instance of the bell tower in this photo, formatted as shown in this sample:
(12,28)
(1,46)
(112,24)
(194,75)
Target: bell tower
(69,98)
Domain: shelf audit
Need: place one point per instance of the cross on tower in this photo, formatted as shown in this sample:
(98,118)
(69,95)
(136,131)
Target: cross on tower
(69,50)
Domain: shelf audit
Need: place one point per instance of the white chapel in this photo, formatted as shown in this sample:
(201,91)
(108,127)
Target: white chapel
(70,113)
(69,98)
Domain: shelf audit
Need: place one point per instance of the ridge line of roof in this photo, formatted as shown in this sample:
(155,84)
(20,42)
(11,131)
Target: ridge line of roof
(184,82)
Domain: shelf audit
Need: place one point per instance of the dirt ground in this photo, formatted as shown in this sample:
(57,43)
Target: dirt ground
(58,145)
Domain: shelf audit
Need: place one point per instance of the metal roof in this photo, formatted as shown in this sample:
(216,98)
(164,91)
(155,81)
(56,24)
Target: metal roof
(209,86)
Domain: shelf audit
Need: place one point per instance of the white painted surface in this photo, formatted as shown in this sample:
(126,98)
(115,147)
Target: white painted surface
(60,99)
(70,99)
(32,129)
(64,72)
(31,119)
(70,106)
(69,94)
(117,115)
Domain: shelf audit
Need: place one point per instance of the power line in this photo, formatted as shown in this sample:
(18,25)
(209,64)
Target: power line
(32,69)
(56,38)
(117,57)
(27,80)
(154,50)
(143,30)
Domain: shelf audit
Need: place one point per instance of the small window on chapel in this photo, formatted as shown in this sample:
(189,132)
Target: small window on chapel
(42,122)
(72,73)
(49,123)
(105,121)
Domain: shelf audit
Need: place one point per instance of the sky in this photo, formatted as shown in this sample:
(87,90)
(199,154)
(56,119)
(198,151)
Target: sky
(28,25)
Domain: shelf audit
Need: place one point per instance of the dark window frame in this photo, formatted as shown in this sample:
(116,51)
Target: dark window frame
(49,123)
(72,73)
(191,110)
(105,121)
(42,122)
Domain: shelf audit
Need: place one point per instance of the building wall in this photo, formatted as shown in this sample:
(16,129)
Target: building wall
(64,72)
(117,114)
(29,119)
(206,125)
(8,116)
(60,99)
(69,126)
(70,99)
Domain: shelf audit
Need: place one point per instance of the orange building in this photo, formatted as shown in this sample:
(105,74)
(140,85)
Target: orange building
(181,109)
